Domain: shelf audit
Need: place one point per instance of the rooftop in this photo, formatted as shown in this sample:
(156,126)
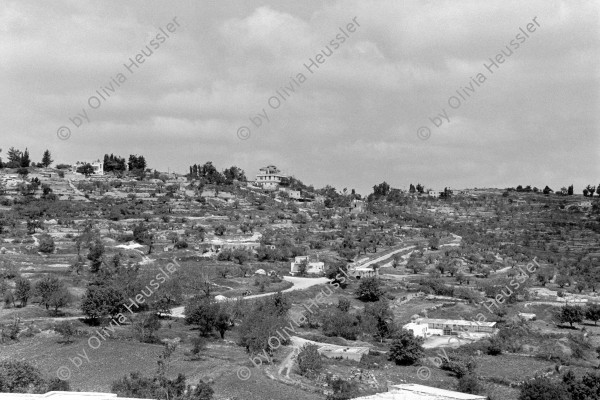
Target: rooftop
(461,322)
(411,391)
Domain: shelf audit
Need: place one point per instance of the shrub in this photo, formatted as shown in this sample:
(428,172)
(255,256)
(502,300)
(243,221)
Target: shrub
(18,377)
(145,326)
(181,244)
(198,344)
(469,384)
(458,364)
(495,347)
(369,289)
(342,390)
(309,360)
(543,389)
(66,330)
(339,323)
(344,304)
(46,244)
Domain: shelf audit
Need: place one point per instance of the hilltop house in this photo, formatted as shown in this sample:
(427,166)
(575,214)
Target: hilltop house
(357,206)
(269,178)
(312,267)
(97,165)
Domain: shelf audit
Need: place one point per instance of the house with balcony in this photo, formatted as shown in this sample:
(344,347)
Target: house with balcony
(269,178)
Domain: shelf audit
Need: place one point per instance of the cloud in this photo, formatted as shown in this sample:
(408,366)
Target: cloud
(352,123)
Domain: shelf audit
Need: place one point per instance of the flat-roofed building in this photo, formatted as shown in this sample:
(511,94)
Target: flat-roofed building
(312,267)
(413,391)
(455,326)
(418,330)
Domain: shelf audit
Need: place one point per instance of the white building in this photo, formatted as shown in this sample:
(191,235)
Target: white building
(269,178)
(412,391)
(364,272)
(312,267)
(357,206)
(418,330)
(97,165)
(456,326)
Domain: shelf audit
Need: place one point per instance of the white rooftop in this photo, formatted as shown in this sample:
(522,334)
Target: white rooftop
(459,322)
(411,391)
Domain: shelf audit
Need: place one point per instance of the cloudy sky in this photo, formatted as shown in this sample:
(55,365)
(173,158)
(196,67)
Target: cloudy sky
(351,121)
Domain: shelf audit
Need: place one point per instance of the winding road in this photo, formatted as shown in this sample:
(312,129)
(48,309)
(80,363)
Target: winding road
(299,284)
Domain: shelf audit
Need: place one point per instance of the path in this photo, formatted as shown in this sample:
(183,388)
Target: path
(385,256)
(299,284)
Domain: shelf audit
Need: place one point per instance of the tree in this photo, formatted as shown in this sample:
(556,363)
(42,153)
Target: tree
(46,159)
(23,290)
(302,267)
(434,243)
(23,172)
(46,244)
(145,326)
(234,173)
(406,349)
(379,319)
(136,163)
(45,288)
(591,189)
(100,301)
(96,255)
(381,190)
(86,169)
(592,312)
(336,322)
(220,230)
(25,160)
(570,190)
(14,158)
(309,360)
(570,314)
(262,322)
(202,312)
(562,280)
(369,289)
